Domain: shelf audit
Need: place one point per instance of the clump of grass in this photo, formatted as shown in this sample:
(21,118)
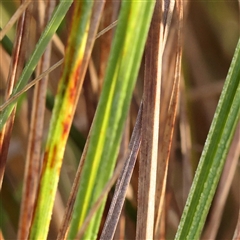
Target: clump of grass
(77,120)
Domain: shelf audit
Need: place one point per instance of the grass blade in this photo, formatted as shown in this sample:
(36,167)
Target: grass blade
(77,55)
(33,159)
(49,31)
(17,63)
(213,156)
(165,147)
(123,181)
(111,113)
(150,127)
(224,186)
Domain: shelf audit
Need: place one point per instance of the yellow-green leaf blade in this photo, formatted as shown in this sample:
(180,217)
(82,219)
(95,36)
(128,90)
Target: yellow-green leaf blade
(63,112)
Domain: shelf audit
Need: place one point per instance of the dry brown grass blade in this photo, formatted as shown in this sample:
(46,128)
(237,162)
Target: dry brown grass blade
(186,142)
(93,77)
(5,136)
(123,181)
(121,225)
(236,235)
(14,18)
(167,19)
(16,66)
(221,195)
(150,127)
(162,167)
(108,28)
(33,159)
(58,44)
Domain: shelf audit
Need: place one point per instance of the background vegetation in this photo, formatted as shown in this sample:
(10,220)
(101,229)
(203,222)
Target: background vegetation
(210,35)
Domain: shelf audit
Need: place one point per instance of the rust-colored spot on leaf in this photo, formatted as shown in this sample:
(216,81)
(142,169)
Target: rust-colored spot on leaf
(52,163)
(72,94)
(74,82)
(44,162)
(66,126)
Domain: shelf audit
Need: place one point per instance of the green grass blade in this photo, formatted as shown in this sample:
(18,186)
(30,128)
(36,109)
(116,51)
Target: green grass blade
(213,156)
(7,44)
(46,36)
(124,62)
(63,112)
